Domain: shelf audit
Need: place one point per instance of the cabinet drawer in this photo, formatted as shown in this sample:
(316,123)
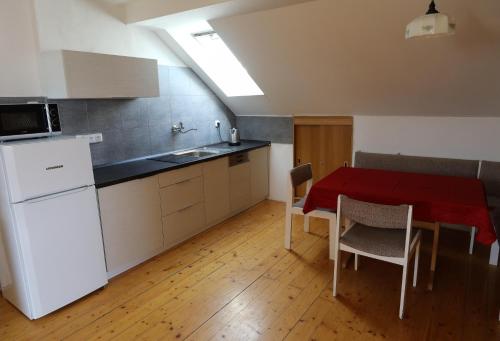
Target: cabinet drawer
(183,224)
(181,195)
(179,175)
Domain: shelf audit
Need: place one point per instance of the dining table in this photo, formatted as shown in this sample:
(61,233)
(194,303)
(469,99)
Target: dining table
(436,199)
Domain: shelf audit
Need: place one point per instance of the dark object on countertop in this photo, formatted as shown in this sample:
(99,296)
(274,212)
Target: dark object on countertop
(234,143)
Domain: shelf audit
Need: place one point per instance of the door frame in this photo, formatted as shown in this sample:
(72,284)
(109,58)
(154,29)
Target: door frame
(322,120)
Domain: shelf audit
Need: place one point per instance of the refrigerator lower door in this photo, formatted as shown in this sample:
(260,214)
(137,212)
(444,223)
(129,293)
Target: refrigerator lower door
(61,248)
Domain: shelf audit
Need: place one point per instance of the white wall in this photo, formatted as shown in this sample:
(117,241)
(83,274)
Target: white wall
(18,50)
(454,137)
(280,162)
(87,25)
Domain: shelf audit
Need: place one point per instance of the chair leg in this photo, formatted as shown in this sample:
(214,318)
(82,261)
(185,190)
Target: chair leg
(306,223)
(403,292)
(332,222)
(495,247)
(288,229)
(415,264)
(472,236)
(435,244)
(336,271)
(356,261)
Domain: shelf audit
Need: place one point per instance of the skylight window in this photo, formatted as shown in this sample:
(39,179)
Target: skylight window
(210,52)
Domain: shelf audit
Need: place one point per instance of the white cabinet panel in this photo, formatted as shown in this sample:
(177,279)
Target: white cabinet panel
(78,74)
(259,174)
(183,224)
(131,223)
(181,195)
(216,188)
(239,187)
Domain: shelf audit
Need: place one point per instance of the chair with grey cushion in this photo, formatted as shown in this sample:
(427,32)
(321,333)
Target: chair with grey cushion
(422,165)
(299,175)
(381,232)
(489,174)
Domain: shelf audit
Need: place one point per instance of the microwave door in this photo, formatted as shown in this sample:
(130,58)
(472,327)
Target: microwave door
(21,121)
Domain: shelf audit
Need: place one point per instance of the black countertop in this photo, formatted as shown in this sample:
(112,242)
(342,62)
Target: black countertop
(112,174)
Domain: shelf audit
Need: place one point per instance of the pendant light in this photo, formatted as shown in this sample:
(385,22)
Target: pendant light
(432,24)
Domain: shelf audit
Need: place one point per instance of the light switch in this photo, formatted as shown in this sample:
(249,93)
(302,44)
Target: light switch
(93,138)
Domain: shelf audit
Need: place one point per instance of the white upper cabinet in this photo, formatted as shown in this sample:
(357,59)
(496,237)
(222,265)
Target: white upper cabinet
(76,74)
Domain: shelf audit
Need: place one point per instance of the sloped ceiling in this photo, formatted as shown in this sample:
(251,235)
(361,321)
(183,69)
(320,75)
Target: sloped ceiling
(350,57)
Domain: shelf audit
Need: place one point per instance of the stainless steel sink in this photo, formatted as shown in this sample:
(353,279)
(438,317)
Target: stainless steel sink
(201,152)
(187,155)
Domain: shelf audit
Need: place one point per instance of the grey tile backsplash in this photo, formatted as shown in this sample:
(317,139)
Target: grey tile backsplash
(268,128)
(137,127)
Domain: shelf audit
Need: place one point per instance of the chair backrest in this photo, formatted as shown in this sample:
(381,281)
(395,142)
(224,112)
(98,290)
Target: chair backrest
(300,174)
(417,164)
(375,215)
(490,176)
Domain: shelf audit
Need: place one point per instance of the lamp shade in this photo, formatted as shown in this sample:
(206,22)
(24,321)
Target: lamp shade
(430,25)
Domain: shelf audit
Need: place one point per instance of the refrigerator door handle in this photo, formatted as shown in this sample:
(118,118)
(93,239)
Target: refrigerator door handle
(60,194)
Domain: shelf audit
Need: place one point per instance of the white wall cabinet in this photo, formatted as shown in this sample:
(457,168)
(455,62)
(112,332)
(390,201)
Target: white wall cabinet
(259,174)
(216,190)
(131,223)
(77,74)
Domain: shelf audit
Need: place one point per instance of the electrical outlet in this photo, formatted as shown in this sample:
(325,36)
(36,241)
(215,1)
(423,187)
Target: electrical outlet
(92,138)
(217,124)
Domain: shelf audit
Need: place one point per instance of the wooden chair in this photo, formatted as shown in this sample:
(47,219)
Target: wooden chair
(298,176)
(381,232)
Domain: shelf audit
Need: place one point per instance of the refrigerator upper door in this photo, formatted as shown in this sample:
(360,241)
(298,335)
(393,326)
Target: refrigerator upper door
(62,249)
(41,167)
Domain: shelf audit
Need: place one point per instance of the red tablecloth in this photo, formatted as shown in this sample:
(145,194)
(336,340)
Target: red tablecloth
(445,199)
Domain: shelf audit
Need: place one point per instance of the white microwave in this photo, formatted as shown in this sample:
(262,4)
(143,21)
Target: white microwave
(24,121)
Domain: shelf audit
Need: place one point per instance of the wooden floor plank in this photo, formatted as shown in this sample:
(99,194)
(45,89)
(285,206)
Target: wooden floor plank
(236,282)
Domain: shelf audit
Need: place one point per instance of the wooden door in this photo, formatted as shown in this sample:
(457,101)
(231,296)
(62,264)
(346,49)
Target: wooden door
(325,142)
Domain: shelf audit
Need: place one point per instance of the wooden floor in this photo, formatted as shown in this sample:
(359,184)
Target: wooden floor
(236,282)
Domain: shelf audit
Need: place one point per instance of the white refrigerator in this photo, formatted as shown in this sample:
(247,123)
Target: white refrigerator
(52,252)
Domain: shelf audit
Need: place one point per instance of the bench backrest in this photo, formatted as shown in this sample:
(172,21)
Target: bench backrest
(490,176)
(417,164)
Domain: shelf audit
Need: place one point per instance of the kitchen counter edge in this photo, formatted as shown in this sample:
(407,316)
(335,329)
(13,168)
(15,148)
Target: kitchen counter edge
(246,146)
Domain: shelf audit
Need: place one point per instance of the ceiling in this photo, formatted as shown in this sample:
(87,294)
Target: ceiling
(350,57)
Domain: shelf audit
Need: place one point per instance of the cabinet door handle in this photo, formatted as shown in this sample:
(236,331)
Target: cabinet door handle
(185,208)
(183,182)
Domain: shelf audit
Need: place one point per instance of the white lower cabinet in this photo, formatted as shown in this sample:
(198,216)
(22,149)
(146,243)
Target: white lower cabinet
(259,174)
(144,217)
(131,223)
(182,203)
(216,190)
(183,224)
(239,187)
